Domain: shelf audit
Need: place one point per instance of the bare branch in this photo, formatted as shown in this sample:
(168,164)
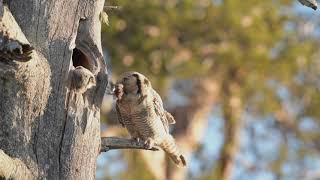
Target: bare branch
(11,168)
(309,3)
(106,8)
(109,143)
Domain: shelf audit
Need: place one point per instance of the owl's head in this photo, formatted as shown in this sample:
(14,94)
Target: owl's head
(134,82)
(82,79)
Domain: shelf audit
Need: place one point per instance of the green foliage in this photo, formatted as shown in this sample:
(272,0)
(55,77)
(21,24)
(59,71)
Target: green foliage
(232,41)
(136,167)
(241,42)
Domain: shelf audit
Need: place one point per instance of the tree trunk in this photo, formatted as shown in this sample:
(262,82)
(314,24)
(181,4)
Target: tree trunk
(49,128)
(233,125)
(192,121)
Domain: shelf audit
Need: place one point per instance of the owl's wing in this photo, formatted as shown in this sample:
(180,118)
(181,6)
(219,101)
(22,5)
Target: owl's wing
(169,117)
(119,115)
(166,118)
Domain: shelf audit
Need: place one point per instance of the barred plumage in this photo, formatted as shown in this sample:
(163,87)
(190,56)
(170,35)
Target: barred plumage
(140,110)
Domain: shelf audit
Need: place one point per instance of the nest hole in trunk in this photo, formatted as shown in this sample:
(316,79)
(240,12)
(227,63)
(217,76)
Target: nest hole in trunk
(80,59)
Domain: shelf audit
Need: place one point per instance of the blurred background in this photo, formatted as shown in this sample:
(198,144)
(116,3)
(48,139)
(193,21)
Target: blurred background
(241,78)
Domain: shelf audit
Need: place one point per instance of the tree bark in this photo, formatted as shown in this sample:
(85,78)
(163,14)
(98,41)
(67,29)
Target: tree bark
(109,143)
(49,130)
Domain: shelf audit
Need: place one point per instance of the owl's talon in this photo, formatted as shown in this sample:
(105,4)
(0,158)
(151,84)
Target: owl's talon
(148,144)
(135,139)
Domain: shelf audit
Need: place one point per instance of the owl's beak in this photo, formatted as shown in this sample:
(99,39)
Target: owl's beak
(94,80)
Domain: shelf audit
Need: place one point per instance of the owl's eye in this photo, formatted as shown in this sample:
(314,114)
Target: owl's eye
(125,79)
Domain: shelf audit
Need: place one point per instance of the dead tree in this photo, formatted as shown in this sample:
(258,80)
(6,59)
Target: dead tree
(52,81)
(50,129)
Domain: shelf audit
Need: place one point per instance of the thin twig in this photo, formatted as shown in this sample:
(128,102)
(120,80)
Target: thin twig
(109,143)
(112,8)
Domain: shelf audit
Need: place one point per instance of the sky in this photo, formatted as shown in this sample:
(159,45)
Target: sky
(266,140)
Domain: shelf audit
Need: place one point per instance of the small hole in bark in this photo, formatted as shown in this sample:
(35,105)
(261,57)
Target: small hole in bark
(80,59)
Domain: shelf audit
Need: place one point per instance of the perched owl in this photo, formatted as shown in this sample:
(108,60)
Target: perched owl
(310,3)
(140,110)
(82,79)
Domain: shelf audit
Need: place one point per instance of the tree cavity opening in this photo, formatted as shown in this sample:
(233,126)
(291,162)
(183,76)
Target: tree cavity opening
(80,59)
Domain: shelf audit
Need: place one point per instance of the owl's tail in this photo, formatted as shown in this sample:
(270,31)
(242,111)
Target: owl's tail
(170,147)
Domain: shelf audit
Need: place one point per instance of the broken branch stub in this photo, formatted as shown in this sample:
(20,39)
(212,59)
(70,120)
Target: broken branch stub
(109,143)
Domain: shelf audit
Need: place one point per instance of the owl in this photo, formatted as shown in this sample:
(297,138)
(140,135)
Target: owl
(82,79)
(140,110)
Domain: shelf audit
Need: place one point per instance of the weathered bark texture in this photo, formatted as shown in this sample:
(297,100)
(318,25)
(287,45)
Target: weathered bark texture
(48,129)
(13,168)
